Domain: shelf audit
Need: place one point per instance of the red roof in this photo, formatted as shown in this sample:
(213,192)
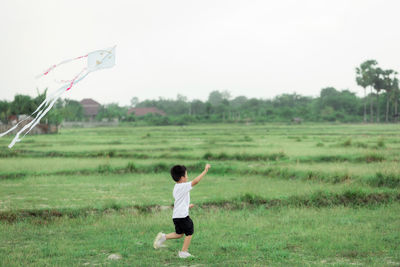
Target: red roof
(89,101)
(144,111)
(90,106)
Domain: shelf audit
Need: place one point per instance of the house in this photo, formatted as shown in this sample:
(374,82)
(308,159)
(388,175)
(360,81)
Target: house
(144,111)
(297,120)
(24,120)
(13,119)
(90,108)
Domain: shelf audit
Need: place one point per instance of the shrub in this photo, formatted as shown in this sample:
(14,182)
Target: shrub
(104,168)
(384,180)
(247,138)
(374,158)
(160,167)
(131,167)
(381,143)
(347,142)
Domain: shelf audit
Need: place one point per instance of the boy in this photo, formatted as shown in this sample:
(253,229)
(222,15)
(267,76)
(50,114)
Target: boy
(180,215)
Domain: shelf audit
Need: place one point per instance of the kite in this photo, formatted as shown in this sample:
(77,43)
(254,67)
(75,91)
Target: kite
(96,60)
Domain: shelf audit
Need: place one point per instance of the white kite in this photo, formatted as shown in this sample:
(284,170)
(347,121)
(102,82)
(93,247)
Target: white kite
(96,60)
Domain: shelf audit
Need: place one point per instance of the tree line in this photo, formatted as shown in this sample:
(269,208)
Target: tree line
(331,105)
(369,75)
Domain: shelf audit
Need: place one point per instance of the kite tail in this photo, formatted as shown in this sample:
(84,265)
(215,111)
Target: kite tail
(56,65)
(58,93)
(96,61)
(46,105)
(16,125)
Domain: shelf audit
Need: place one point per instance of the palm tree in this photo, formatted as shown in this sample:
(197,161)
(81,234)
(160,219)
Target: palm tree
(361,82)
(379,84)
(388,87)
(395,95)
(364,78)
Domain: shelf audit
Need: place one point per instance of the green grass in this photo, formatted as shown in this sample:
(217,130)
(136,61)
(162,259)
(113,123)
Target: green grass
(147,189)
(286,236)
(276,195)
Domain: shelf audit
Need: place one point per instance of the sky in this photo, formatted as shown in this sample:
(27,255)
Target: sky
(164,48)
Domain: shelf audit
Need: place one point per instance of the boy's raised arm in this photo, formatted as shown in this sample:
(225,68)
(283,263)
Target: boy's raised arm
(198,178)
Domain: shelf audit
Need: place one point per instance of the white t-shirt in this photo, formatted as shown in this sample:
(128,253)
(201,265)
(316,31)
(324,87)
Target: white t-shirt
(182,199)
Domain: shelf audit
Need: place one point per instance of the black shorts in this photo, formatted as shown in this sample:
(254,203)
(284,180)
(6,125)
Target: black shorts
(184,225)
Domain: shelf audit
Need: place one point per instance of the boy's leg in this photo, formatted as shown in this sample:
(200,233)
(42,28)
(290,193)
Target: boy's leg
(186,243)
(173,236)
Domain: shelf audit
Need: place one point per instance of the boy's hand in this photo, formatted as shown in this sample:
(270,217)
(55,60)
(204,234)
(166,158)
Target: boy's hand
(198,178)
(191,206)
(208,166)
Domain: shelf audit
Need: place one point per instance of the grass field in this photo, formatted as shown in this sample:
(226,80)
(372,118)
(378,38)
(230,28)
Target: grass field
(276,195)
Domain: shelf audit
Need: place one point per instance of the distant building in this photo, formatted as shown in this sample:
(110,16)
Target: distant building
(13,119)
(297,120)
(90,108)
(144,111)
(23,120)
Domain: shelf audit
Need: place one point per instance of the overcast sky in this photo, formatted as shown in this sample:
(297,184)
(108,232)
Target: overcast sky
(164,48)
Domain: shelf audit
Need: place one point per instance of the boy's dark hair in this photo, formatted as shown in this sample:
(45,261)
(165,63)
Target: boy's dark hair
(177,172)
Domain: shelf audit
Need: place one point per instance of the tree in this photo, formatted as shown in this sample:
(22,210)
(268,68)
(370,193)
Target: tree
(395,97)
(4,111)
(238,101)
(381,82)
(215,98)
(329,97)
(181,98)
(54,117)
(182,103)
(22,104)
(388,87)
(364,78)
(237,104)
(111,111)
(378,85)
(72,110)
(345,105)
(220,103)
(40,97)
(197,107)
(134,101)
(226,95)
